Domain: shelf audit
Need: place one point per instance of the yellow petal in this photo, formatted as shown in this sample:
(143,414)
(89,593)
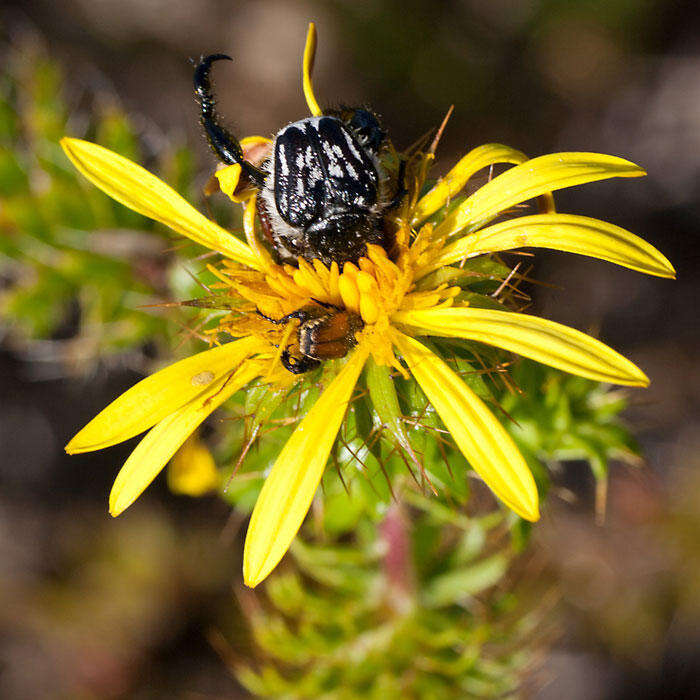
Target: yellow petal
(480,437)
(143,192)
(289,489)
(256,148)
(448,186)
(265,261)
(192,471)
(162,441)
(539,339)
(229,176)
(307,70)
(159,395)
(567,232)
(531,179)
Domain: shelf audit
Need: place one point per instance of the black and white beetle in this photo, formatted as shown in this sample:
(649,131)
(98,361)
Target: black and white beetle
(323,193)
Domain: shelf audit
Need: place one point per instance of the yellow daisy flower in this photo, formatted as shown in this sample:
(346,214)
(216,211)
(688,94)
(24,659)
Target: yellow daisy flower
(396,296)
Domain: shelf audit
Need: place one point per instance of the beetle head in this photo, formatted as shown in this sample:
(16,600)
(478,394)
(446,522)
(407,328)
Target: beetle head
(365,125)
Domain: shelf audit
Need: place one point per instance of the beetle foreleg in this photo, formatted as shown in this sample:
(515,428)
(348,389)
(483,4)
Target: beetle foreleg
(300,314)
(325,304)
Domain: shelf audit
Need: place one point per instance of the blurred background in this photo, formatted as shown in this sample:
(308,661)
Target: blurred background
(95,607)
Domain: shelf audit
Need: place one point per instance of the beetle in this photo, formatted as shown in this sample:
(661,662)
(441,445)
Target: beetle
(323,193)
(325,332)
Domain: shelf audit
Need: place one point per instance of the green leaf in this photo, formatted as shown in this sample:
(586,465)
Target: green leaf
(261,402)
(459,584)
(475,270)
(382,392)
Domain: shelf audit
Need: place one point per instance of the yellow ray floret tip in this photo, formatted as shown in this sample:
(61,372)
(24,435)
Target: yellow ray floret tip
(566,232)
(157,396)
(163,440)
(478,434)
(544,341)
(137,188)
(289,489)
(307,70)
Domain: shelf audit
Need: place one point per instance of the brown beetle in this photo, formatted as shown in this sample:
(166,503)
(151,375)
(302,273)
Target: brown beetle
(325,332)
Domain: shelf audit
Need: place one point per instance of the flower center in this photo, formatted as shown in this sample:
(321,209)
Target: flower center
(371,290)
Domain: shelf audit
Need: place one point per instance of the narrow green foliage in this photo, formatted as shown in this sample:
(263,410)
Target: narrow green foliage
(77,268)
(385,402)
(389,612)
(559,417)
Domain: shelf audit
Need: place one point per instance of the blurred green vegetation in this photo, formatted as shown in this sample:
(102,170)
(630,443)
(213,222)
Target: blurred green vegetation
(76,267)
(417,606)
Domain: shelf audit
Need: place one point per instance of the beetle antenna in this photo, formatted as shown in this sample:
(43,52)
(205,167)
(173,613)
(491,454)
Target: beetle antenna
(224,145)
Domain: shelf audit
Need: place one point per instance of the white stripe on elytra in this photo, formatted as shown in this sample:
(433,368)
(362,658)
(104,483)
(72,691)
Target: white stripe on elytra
(351,146)
(283,160)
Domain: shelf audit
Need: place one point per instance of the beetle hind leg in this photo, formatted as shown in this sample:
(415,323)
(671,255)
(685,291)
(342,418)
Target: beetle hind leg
(298,365)
(300,314)
(224,145)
